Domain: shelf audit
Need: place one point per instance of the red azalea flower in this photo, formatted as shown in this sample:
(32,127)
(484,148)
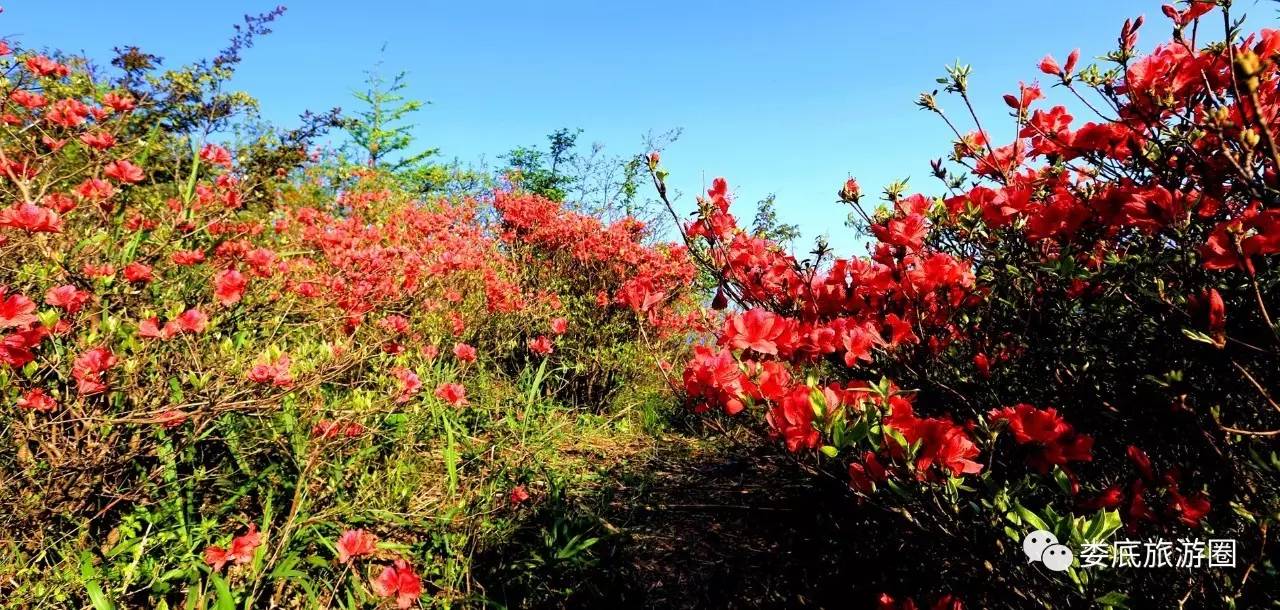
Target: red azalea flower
(1056,440)
(15,348)
(409,384)
(1049,66)
(399,581)
(123,171)
(1110,497)
(27,99)
(138,273)
(95,189)
(59,202)
(187,257)
(215,155)
(31,218)
(150,329)
(275,373)
(228,286)
(1143,463)
(452,393)
(541,345)
(758,330)
(243,546)
(16,310)
(355,543)
(89,370)
(863,476)
(42,67)
(464,352)
(1190,509)
(216,557)
(118,102)
(67,298)
(67,113)
(519,494)
(100,140)
(191,321)
(559,326)
(37,400)
(792,419)
(942,442)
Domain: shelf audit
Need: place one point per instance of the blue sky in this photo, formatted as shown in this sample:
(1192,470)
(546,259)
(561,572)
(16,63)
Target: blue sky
(785,98)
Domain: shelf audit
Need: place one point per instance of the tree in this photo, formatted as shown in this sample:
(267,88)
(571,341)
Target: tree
(381,129)
(767,225)
(542,172)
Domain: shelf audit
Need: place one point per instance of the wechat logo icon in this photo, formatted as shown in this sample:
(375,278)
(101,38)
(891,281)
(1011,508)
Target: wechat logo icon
(1043,546)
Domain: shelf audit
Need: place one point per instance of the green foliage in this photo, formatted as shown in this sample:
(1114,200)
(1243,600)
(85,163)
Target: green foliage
(767,225)
(543,172)
(381,129)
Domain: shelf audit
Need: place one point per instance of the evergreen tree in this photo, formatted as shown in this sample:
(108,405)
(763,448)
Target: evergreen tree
(381,129)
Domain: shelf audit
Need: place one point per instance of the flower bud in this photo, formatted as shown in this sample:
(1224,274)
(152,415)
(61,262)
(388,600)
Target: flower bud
(720,301)
(851,192)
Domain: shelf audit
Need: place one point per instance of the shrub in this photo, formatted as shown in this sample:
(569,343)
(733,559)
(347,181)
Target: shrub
(225,381)
(1077,337)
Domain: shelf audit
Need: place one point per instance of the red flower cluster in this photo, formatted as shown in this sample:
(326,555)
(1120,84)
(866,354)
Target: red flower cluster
(945,602)
(355,543)
(191,321)
(642,277)
(399,581)
(850,310)
(241,551)
(1054,440)
(1136,498)
(90,370)
(275,372)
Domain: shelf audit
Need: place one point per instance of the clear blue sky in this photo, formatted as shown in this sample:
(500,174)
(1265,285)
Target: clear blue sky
(779,97)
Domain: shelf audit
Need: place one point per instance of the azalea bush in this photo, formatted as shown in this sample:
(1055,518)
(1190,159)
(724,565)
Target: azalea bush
(1077,335)
(229,381)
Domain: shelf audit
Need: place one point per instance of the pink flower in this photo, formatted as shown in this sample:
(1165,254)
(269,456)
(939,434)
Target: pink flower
(242,549)
(541,345)
(559,326)
(275,373)
(452,393)
(68,298)
(464,352)
(409,384)
(90,368)
(37,400)
(31,218)
(150,329)
(519,494)
(215,155)
(399,581)
(192,321)
(123,171)
(228,286)
(138,273)
(216,557)
(355,543)
(243,546)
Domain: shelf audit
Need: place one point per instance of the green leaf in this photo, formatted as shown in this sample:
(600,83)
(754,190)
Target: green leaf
(89,574)
(1031,518)
(226,600)
(1114,599)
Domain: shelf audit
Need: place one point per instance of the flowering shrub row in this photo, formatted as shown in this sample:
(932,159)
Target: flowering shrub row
(1076,337)
(230,381)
